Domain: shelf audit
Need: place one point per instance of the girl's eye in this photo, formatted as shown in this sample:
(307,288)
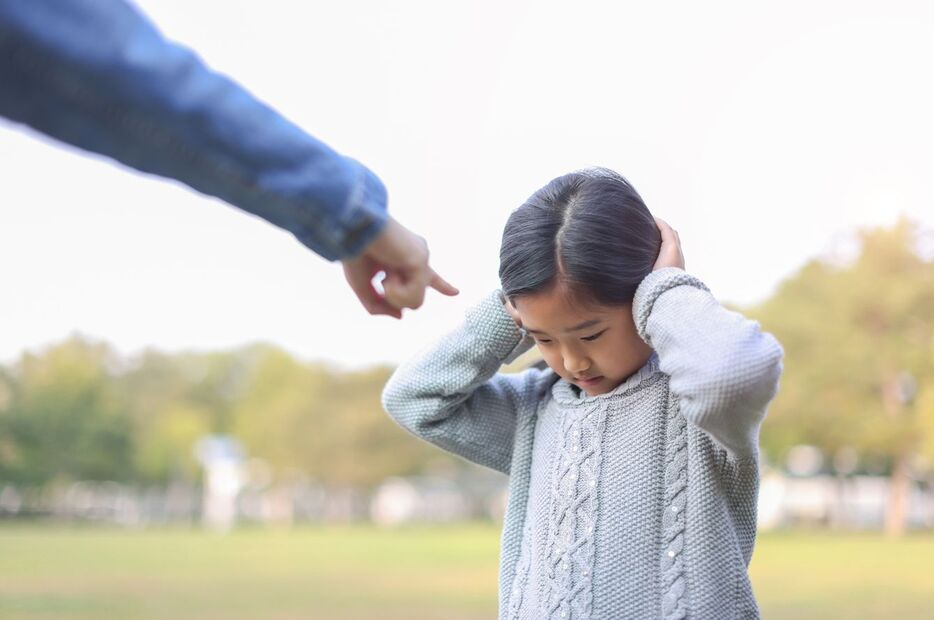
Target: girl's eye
(542,341)
(594,337)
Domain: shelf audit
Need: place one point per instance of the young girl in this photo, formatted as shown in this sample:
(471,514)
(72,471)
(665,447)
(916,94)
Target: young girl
(632,459)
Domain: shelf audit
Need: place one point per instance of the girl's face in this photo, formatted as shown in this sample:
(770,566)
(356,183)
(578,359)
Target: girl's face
(593,347)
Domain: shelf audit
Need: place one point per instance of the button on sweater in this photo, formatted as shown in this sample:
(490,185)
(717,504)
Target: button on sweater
(638,503)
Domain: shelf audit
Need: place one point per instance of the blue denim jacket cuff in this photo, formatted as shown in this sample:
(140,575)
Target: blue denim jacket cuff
(366,213)
(360,222)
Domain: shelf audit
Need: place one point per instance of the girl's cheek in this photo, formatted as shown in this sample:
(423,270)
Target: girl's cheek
(547,355)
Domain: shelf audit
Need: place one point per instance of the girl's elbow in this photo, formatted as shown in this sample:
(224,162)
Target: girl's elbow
(759,384)
(740,380)
(775,364)
(757,361)
(410,408)
(773,350)
(396,401)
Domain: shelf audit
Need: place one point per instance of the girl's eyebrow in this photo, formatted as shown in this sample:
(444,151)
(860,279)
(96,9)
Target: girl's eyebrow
(579,327)
(583,325)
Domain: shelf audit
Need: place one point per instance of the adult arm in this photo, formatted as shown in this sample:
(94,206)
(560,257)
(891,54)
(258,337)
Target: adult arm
(96,74)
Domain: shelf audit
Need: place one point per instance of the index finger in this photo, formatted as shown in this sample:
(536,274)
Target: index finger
(441,285)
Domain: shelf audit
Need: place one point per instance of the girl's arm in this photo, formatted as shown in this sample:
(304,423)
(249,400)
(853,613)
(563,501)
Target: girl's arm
(722,367)
(452,396)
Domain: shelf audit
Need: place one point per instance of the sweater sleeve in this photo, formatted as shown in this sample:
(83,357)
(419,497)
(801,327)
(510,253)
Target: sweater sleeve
(452,396)
(723,368)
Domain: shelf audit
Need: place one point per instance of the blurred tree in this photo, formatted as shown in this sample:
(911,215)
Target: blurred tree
(62,418)
(859,341)
(367,446)
(175,399)
(327,424)
(277,415)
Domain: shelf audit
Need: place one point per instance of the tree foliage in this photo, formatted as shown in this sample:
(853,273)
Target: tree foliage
(77,411)
(859,350)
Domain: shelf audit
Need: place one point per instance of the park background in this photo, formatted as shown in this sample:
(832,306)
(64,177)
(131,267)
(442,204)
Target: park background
(145,326)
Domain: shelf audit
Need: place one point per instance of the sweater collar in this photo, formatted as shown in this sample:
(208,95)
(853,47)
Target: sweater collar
(569,394)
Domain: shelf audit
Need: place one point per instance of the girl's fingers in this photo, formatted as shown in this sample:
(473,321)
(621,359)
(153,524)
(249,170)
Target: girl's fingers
(511,310)
(668,233)
(670,254)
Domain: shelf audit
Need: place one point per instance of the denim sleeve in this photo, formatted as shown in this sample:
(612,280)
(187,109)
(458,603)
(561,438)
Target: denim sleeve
(96,74)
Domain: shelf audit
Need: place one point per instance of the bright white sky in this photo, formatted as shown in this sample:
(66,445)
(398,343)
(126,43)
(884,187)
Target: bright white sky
(762,133)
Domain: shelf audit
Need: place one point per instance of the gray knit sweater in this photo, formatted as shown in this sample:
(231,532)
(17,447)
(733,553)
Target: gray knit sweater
(638,503)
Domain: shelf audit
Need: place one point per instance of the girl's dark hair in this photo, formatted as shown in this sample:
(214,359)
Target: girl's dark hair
(589,230)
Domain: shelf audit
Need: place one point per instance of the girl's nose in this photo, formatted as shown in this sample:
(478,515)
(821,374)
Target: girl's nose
(576,365)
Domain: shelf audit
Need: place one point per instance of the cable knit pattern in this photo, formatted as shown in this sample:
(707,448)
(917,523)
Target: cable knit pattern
(673,519)
(522,574)
(571,528)
(636,503)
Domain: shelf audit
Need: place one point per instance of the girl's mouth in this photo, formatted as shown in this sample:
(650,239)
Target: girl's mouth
(588,381)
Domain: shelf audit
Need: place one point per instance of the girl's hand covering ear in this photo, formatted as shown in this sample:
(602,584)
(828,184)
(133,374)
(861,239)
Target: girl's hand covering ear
(670,254)
(512,312)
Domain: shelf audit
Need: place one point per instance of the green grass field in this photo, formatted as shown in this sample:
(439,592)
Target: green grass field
(360,572)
